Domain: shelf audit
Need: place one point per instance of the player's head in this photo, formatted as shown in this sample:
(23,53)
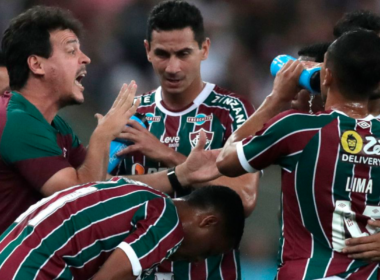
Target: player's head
(301,102)
(357,19)
(314,52)
(214,225)
(352,65)
(176,44)
(42,44)
(4,78)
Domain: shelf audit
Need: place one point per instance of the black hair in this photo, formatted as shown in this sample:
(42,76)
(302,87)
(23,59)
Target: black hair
(355,62)
(227,203)
(2,59)
(357,19)
(174,15)
(316,51)
(28,34)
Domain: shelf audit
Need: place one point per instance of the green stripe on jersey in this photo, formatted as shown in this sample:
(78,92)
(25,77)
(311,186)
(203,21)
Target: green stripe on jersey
(213,268)
(181,270)
(168,220)
(305,176)
(83,219)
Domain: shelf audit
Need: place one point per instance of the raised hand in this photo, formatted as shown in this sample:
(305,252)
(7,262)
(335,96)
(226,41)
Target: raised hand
(122,109)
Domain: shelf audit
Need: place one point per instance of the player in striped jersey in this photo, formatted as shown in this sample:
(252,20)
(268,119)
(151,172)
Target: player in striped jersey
(178,110)
(123,226)
(330,161)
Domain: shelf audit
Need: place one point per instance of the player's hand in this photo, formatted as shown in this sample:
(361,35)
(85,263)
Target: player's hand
(367,248)
(285,85)
(145,143)
(200,165)
(112,124)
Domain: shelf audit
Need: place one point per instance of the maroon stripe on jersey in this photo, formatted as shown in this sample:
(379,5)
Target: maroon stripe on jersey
(358,200)
(292,270)
(364,272)
(105,228)
(165,266)
(324,178)
(229,266)
(22,224)
(198,271)
(339,264)
(247,105)
(297,240)
(155,209)
(87,271)
(289,144)
(146,109)
(172,124)
(44,228)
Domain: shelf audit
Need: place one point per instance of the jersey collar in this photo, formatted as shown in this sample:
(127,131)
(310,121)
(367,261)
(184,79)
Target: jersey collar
(196,102)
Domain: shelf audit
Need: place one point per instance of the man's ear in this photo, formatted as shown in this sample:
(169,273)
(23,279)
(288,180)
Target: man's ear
(209,221)
(147,50)
(327,79)
(35,64)
(206,48)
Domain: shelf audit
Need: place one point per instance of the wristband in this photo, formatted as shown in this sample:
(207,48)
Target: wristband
(176,185)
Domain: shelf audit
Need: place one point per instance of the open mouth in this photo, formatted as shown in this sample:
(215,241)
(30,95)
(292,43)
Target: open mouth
(79,78)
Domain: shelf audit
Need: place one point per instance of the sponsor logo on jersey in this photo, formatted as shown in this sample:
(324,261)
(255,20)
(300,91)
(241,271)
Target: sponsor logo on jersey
(171,141)
(199,119)
(138,169)
(353,144)
(237,107)
(150,117)
(194,138)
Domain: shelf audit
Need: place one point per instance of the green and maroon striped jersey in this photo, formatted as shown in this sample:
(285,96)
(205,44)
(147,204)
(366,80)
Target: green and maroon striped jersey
(70,234)
(31,151)
(330,188)
(218,112)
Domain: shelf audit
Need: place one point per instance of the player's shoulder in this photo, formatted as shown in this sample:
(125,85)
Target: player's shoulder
(62,125)
(226,93)
(147,98)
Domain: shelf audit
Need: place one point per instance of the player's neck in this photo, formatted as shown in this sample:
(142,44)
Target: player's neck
(182,100)
(185,212)
(42,99)
(353,109)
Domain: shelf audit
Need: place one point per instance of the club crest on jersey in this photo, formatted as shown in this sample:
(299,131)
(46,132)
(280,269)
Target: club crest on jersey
(150,117)
(352,142)
(199,119)
(194,138)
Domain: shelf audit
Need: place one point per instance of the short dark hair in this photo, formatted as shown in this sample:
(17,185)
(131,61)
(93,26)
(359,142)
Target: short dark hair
(357,19)
(227,203)
(355,61)
(316,51)
(28,34)
(174,15)
(2,59)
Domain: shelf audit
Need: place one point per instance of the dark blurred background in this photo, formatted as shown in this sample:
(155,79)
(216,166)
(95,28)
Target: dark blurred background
(245,36)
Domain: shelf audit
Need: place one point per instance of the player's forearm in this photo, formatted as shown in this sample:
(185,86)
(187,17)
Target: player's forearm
(94,167)
(158,181)
(246,186)
(271,106)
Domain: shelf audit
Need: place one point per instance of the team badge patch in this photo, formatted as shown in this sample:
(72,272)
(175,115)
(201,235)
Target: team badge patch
(194,138)
(352,142)
(199,119)
(150,117)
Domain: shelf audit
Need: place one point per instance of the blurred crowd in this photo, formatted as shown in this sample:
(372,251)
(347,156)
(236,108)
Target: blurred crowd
(245,36)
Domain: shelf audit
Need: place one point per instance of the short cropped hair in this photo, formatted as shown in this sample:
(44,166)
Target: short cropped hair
(355,62)
(174,15)
(227,203)
(316,51)
(357,19)
(28,34)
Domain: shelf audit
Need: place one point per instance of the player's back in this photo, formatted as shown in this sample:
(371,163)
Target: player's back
(331,187)
(72,232)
